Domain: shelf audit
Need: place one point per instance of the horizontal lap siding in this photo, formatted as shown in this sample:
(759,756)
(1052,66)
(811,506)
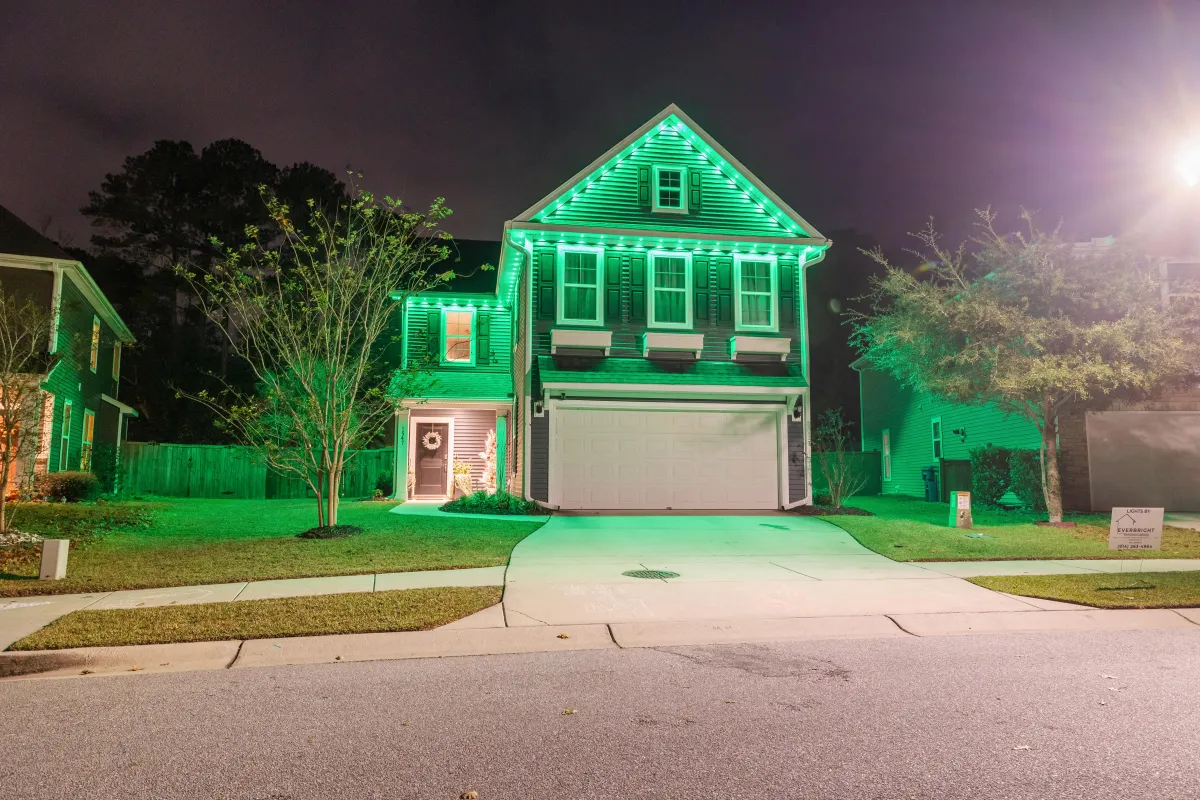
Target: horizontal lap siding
(909,415)
(612,201)
(471,427)
(712,278)
(499,349)
(539,458)
(797,460)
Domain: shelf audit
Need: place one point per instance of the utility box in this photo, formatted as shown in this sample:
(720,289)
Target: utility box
(54,559)
(960,510)
(929,477)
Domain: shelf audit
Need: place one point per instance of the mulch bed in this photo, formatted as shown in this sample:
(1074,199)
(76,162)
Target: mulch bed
(331,532)
(830,511)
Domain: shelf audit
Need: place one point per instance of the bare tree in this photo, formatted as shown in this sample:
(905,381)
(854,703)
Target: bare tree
(25,328)
(842,471)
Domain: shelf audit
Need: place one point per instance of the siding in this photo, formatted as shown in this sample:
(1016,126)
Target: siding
(612,200)
(539,457)
(470,434)
(418,346)
(908,415)
(72,379)
(516,428)
(627,299)
(797,460)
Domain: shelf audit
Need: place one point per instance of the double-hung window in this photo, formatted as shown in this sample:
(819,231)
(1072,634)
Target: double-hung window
(670,189)
(85,448)
(458,343)
(887,454)
(94,359)
(936,432)
(116,370)
(670,298)
(579,296)
(757,285)
(64,443)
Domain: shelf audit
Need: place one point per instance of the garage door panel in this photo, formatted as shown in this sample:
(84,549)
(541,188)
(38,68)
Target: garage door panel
(643,459)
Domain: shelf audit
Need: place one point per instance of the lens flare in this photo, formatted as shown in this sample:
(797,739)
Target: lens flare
(1187,163)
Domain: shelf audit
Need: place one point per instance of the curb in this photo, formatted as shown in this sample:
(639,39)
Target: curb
(450,642)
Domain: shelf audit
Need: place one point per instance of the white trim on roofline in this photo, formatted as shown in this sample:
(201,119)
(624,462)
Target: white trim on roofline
(645,233)
(675,388)
(700,132)
(83,282)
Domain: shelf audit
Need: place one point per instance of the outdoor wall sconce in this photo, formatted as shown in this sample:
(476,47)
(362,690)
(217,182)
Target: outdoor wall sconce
(961,433)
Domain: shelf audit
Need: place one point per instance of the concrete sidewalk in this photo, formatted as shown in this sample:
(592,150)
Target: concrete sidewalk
(446,642)
(21,616)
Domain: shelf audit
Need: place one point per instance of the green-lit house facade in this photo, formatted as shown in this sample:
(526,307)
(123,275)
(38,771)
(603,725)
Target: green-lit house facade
(649,314)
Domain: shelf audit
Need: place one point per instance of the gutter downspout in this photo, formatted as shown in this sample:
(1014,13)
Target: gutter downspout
(526,412)
(807,398)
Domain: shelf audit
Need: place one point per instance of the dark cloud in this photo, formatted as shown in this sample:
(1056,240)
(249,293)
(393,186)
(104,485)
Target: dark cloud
(867,114)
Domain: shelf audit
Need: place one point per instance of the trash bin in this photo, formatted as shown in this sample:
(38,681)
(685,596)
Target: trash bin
(929,476)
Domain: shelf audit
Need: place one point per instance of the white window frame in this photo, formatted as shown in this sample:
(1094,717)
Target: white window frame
(886,453)
(683,190)
(687,289)
(470,362)
(116,364)
(936,438)
(561,283)
(738,260)
(64,435)
(94,356)
(86,444)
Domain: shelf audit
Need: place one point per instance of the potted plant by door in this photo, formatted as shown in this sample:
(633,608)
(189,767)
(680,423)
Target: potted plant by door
(462,479)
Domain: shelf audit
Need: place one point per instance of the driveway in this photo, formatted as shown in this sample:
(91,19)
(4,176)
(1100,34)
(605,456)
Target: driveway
(730,567)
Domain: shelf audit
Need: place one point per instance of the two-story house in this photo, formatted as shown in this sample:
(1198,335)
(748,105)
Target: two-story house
(643,346)
(81,414)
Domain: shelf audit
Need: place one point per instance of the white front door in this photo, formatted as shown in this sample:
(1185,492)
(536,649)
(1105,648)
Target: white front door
(620,456)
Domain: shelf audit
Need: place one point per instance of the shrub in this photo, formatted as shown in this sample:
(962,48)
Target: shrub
(990,474)
(69,486)
(383,484)
(1025,478)
(104,464)
(499,503)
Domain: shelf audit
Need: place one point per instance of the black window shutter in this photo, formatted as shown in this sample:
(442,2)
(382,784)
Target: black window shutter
(612,287)
(546,296)
(483,339)
(700,278)
(637,294)
(433,335)
(644,185)
(724,288)
(695,176)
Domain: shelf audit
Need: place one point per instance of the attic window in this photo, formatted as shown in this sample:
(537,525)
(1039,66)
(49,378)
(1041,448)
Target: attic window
(669,185)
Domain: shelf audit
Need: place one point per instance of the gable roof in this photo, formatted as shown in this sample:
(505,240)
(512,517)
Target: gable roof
(18,238)
(674,117)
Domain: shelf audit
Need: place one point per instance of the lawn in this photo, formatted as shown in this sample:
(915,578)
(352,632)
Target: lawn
(365,612)
(183,542)
(910,529)
(1121,590)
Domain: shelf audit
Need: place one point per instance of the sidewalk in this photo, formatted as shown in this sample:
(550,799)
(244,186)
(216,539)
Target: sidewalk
(21,616)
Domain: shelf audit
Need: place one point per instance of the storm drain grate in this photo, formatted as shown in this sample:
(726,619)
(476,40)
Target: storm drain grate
(650,573)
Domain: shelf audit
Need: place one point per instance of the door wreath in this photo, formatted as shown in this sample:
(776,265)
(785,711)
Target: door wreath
(432,440)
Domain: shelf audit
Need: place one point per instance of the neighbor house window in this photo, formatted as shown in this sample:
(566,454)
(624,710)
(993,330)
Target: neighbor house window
(116,372)
(936,430)
(64,437)
(887,454)
(85,449)
(757,306)
(457,343)
(669,192)
(670,277)
(94,360)
(579,287)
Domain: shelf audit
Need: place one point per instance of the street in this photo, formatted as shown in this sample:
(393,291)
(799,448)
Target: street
(1097,715)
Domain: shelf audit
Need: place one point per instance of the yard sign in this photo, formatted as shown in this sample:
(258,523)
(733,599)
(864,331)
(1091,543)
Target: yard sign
(1135,529)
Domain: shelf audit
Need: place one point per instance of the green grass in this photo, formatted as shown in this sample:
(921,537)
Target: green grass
(182,542)
(366,612)
(909,529)
(1121,590)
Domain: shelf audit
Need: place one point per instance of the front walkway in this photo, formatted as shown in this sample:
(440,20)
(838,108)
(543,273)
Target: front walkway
(570,571)
(21,616)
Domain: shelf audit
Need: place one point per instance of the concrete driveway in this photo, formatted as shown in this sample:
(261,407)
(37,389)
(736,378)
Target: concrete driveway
(730,567)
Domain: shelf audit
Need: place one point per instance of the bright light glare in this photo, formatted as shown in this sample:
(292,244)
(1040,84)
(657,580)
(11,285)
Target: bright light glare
(1188,162)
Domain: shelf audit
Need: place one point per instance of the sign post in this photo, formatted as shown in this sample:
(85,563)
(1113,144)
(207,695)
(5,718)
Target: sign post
(960,510)
(1135,529)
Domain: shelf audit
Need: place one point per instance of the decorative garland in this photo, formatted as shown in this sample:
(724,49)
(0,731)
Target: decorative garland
(432,440)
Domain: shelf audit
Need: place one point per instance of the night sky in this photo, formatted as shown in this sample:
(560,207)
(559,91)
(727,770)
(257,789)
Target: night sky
(871,115)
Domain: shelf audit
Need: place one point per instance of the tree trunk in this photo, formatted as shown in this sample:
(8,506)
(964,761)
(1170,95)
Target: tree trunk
(333,494)
(320,492)
(1051,481)
(3,501)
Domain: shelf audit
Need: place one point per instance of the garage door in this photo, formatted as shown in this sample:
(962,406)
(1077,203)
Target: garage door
(1145,458)
(623,458)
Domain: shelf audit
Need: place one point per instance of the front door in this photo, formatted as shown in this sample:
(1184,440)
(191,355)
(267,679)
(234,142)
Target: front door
(432,457)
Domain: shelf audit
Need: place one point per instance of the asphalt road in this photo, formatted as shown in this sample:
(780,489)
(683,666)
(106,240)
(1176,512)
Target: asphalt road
(1113,715)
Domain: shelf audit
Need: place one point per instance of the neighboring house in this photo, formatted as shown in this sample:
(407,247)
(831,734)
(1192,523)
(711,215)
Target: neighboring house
(643,346)
(80,410)
(1133,454)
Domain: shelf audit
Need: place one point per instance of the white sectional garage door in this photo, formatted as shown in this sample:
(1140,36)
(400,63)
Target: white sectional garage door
(631,458)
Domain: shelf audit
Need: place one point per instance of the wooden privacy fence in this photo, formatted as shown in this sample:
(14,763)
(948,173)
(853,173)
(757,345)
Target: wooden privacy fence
(867,464)
(208,470)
